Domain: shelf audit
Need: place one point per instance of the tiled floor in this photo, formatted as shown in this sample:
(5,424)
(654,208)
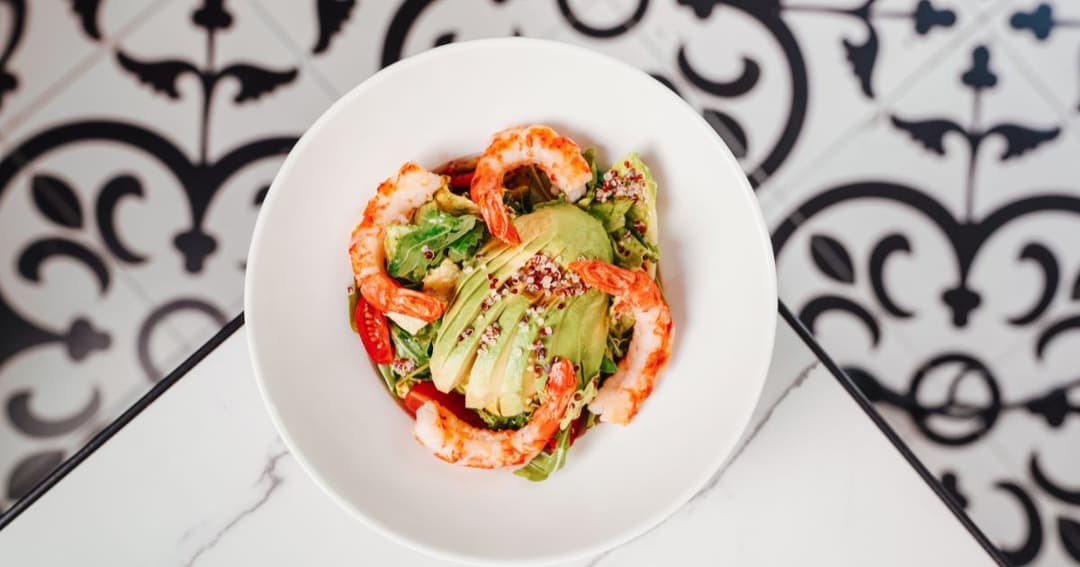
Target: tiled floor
(916,161)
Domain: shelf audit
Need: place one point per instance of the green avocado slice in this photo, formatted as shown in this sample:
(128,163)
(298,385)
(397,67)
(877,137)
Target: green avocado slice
(483,388)
(512,395)
(494,378)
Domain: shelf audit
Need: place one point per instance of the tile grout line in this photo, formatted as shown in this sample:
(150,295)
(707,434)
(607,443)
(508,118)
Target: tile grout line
(886,101)
(1064,109)
(107,44)
(61,84)
(305,59)
(981,21)
(646,43)
(936,59)
(123,275)
(1009,468)
(985,20)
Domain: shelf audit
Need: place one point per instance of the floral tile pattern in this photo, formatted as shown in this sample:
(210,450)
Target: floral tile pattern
(915,160)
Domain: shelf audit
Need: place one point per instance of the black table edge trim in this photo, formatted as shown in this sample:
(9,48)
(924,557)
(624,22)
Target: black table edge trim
(231,327)
(891,435)
(113,428)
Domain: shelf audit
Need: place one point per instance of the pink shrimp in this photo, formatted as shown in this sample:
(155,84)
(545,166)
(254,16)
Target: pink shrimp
(559,157)
(650,345)
(394,203)
(457,442)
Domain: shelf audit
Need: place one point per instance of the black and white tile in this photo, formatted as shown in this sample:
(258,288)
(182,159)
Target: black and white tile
(916,161)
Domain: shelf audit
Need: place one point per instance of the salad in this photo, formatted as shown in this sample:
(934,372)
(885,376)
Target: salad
(511,301)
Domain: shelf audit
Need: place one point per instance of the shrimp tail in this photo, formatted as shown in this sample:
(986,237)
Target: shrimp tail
(494,212)
(387,296)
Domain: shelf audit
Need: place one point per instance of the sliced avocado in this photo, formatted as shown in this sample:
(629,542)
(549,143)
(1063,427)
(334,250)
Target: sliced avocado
(580,333)
(515,387)
(456,356)
(464,308)
(483,387)
(500,378)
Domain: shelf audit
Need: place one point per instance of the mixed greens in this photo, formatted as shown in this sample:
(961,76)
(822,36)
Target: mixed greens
(512,310)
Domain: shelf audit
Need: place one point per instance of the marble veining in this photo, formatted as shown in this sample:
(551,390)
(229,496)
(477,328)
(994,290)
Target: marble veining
(715,480)
(268,482)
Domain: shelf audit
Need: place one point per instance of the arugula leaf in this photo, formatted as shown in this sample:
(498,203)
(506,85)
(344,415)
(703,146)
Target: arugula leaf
(546,463)
(619,329)
(500,422)
(465,247)
(414,347)
(413,249)
(612,213)
(406,382)
(388,378)
(578,403)
(394,233)
(597,175)
(607,366)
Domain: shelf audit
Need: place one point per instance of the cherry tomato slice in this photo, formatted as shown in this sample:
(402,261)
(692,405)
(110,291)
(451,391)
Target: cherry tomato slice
(424,392)
(374,332)
(461,180)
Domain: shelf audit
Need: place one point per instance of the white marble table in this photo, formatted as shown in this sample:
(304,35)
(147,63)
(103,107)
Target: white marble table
(195,475)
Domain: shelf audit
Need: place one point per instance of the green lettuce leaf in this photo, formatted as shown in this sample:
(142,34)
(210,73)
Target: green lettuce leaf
(495,421)
(597,175)
(611,213)
(607,366)
(414,347)
(415,248)
(630,253)
(546,463)
(463,248)
(388,377)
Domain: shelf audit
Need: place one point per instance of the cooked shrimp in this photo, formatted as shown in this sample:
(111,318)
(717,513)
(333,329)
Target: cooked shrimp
(650,345)
(455,441)
(558,157)
(394,203)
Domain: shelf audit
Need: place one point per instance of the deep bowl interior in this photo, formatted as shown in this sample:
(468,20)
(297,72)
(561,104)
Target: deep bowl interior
(333,410)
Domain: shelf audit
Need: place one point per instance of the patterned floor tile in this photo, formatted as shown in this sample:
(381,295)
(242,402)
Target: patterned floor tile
(71,320)
(45,50)
(862,55)
(1010,510)
(914,158)
(1044,39)
(967,259)
(742,68)
(375,34)
(165,179)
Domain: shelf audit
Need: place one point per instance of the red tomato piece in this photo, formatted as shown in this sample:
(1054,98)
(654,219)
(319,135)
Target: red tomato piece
(374,332)
(424,392)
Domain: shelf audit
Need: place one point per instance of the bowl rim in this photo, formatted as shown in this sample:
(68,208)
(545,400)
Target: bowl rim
(646,524)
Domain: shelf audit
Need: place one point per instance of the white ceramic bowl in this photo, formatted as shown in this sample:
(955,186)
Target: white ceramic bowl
(334,412)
